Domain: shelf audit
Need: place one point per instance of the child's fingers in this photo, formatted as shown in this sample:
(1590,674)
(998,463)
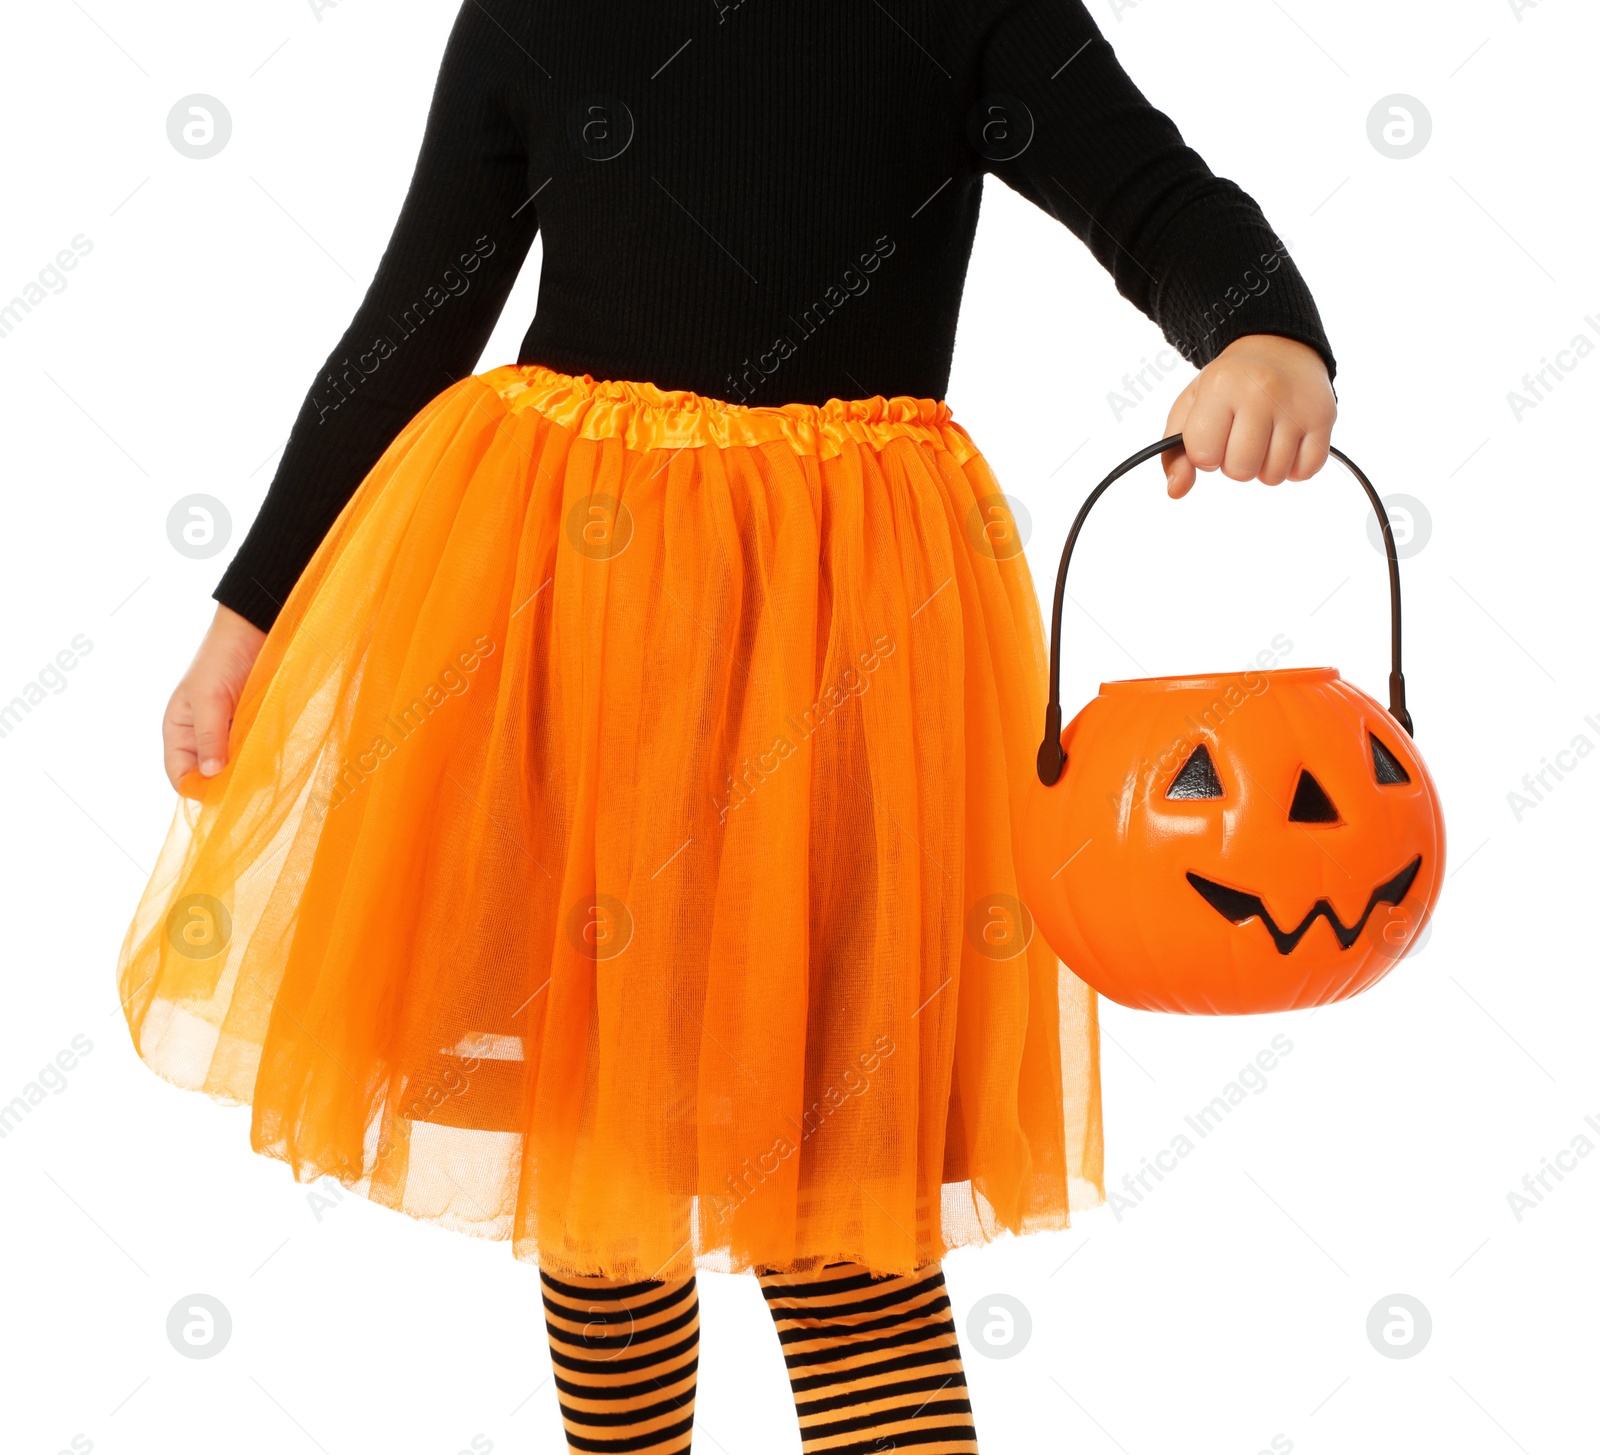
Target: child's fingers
(1248,439)
(1177,464)
(1312,454)
(1206,431)
(212,710)
(1180,473)
(194,732)
(1282,452)
(178,754)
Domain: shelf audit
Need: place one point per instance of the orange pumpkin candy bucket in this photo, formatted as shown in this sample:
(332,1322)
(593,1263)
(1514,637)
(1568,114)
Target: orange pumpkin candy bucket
(1231,844)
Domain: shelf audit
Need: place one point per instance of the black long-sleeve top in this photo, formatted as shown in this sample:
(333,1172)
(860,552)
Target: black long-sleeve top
(764,201)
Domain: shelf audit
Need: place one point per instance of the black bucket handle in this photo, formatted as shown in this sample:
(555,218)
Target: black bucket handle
(1051,759)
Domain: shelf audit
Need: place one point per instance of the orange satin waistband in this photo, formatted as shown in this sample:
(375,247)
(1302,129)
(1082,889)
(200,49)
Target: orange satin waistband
(645,417)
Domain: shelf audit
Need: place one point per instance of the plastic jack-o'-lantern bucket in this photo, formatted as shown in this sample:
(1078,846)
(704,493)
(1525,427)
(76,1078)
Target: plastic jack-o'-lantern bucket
(1231,844)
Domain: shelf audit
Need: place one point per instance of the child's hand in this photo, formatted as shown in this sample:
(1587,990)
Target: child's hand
(1263,409)
(194,730)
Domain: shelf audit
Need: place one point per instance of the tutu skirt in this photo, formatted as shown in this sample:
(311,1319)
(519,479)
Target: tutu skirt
(614,852)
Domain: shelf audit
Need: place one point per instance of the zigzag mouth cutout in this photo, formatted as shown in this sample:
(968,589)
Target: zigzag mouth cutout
(1238,908)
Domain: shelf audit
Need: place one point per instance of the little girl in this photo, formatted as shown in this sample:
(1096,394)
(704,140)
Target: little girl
(599,780)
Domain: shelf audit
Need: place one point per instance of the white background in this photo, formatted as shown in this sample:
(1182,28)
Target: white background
(1229,1306)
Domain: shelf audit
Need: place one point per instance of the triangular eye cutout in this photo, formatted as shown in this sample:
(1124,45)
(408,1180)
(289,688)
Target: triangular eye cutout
(1311,802)
(1384,763)
(1197,778)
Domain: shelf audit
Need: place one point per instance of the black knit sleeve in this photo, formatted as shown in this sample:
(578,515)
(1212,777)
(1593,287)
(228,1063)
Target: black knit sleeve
(462,235)
(1059,121)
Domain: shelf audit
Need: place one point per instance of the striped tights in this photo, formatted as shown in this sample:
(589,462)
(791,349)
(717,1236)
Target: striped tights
(873,1362)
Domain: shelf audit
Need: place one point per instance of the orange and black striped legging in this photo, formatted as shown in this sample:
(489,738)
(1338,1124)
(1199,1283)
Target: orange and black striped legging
(873,1362)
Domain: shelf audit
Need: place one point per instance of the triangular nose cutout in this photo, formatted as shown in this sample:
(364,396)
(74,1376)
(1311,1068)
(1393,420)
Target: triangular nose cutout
(1197,778)
(1311,803)
(1384,763)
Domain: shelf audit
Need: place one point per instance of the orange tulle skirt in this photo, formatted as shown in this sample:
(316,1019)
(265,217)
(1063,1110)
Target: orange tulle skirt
(615,848)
